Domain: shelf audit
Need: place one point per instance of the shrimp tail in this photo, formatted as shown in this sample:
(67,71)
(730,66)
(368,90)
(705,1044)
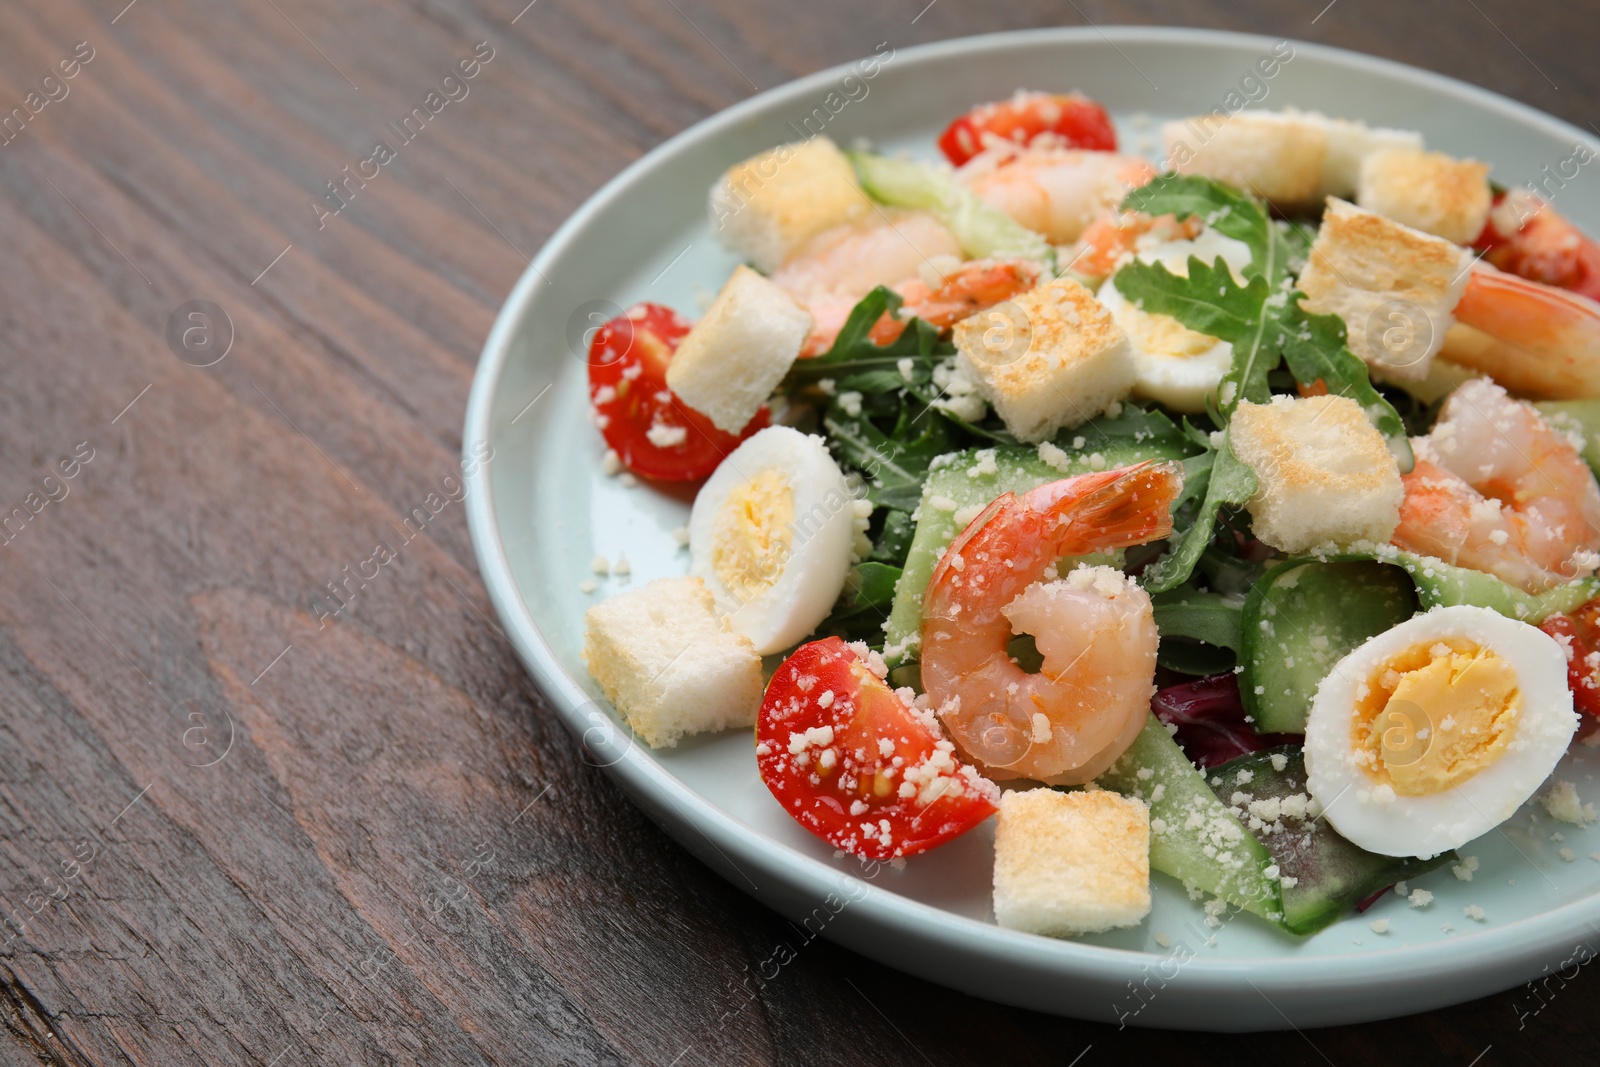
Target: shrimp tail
(1112,509)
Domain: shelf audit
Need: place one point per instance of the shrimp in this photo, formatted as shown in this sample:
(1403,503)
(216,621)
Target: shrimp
(1497,489)
(1095,628)
(1534,339)
(1526,237)
(911,253)
(1115,236)
(1058,192)
(966,290)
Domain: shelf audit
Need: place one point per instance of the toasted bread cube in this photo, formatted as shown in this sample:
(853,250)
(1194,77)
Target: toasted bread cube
(1051,358)
(1349,144)
(767,206)
(1071,863)
(1324,477)
(1394,287)
(1428,191)
(1292,158)
(728,364)
(668,661)
(1278,156)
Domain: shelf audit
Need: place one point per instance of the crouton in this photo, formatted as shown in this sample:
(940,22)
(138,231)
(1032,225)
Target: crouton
(728,364)
(1294,159)
(1277,156)
(667,660)
(1428,191)
(1054,357)
(1324,476)
(1349,144)
(1071,863)
(1393,286)
(768,205)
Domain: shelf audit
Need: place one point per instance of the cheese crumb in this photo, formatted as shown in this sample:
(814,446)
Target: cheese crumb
(1279,761)
(1464,869)
(1163,939)
(1561,800)
(1379,926)
(1420,898)
(1567,854)
(600,565)
(588,585)
(621,568)
(681,535)
(1475,913)
(611,463)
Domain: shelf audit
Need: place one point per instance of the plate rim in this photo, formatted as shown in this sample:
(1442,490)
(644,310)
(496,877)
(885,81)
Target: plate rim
(1507,947)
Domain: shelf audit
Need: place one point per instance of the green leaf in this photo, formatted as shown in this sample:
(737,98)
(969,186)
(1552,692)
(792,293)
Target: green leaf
(855,362)
(1231,212)
(1264,328)
(863,607)
(1317,352)
(1231,484)
(1209,617)
(894,537)
(1211,301)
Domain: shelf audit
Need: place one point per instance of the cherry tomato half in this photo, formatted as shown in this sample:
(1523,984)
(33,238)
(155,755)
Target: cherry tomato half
(1545,247)
(857,766)
(1579,633)
(1074,120)
(653,432)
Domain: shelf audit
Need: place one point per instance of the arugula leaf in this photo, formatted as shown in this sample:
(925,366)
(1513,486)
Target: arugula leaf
(863,606)
(1208,617)
(1264,327)
(1230,484)
(1211,301)
(1317,352)
(894,464)
(1231,212)
(855,362)
(1262,319)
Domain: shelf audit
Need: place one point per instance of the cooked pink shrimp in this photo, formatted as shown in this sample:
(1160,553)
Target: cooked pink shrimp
(830,273)
(1497,489)
(1534,339)
(1114,237)
(1057,192)
(909,252)
(1095,628)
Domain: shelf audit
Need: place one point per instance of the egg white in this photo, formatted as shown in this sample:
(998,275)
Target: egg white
(822,536)
(1425,826)
(1181,382)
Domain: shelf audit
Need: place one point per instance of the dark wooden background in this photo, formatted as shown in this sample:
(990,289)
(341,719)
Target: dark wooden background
(231,835)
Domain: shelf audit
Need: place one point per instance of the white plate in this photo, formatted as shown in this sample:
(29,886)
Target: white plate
(541,509)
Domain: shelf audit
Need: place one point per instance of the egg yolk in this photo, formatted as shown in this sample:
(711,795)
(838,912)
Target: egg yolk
(1434,716)
(750,542)
(1162,335)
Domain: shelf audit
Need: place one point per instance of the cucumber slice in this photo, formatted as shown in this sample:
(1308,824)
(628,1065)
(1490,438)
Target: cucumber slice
(1441,584)
(1300,619)
(1324,875)
(982,229)
(965,482)
(1193,836)
(1586,413)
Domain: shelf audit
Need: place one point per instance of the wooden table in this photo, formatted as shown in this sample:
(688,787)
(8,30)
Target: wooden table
(239,827)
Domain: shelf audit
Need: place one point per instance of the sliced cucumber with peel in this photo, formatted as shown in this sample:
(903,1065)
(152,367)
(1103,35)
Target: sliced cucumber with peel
(1586,413)
(1301,618)
(982,229)
(1193,836)
(1323,875)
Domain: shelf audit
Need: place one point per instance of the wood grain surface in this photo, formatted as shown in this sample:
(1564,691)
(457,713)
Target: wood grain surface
(234,831)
